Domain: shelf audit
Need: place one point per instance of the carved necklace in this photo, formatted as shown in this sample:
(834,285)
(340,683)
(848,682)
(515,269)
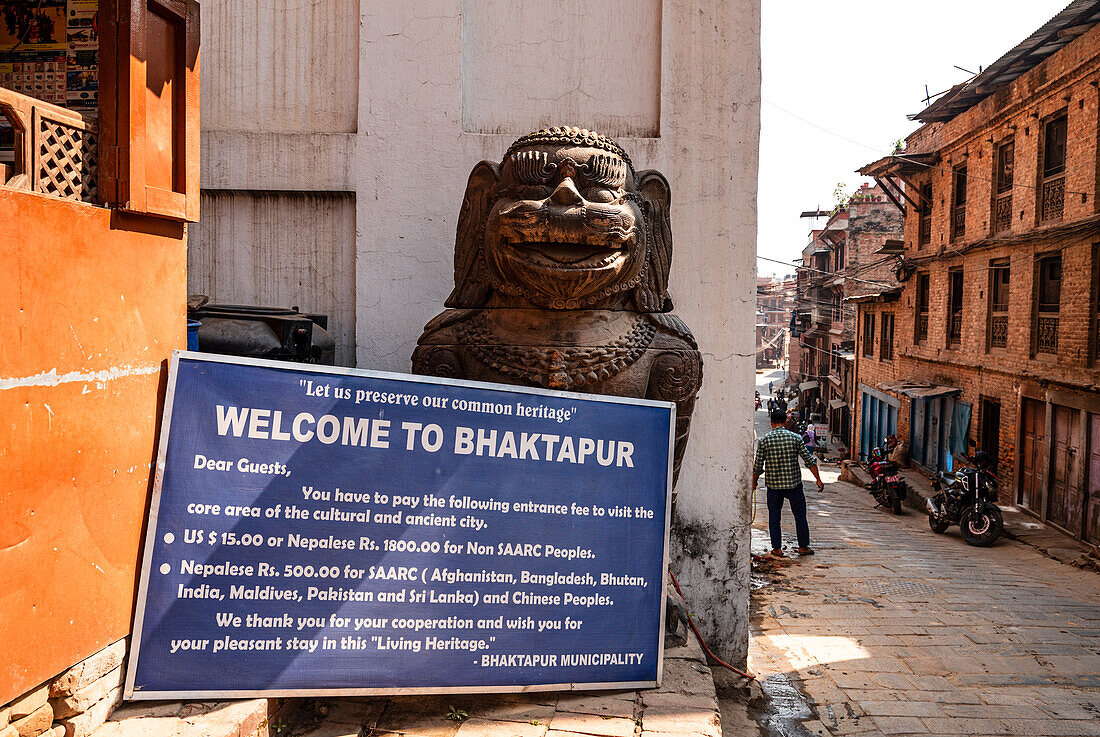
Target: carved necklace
(557,367)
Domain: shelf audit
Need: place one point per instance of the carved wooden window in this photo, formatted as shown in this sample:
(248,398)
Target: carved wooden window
(1094,324)
(1048,299)
(868,335)
(1002,197)
(958,205)
(998,303)
(921,322)
(1053,186)
(886,345)
(954,306)
(149,96)
(924,236)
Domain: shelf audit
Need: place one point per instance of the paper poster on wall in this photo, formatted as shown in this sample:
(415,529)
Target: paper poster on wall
(318,530)
(82,62)
(30,27)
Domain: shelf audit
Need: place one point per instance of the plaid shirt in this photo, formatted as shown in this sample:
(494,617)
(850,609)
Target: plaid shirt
(777,453)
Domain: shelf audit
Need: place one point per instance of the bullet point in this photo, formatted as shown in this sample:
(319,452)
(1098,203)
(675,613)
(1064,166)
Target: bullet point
(165,568)
(169,538)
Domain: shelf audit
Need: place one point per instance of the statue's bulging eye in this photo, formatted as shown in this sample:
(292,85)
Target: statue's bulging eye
(532,167)
(602,195)
(533,193)
(605,170)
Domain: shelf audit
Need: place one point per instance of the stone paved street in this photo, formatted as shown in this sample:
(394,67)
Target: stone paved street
(891,629)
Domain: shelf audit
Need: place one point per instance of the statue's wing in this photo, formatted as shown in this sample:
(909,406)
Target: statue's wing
(471,289)
(652,294)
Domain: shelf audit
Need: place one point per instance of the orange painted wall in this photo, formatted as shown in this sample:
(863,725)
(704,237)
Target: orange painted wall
(91,304)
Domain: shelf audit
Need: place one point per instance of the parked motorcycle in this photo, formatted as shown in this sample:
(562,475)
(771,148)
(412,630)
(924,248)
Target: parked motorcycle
(967,501)
(887,487)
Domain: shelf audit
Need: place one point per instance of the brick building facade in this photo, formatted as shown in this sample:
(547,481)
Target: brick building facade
(997,325)
(774,302)
(843,259)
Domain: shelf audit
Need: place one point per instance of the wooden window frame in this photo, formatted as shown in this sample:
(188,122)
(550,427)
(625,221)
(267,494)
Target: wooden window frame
(886,337)
(958,202)
(869,335)
(124,61)
(922,308)
(924,215)
(1094,308)
(953,337)
(998,312)
(1002,187)
(1046,317)
(1051,183)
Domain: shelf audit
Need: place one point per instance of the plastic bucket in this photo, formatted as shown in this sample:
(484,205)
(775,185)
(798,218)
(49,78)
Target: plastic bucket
(193,334)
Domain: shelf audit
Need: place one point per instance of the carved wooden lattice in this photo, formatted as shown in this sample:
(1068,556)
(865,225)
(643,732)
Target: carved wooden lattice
(925,234)
(1047,334)
(922,326)
(66,159)
(1054,195)
(998,331)
(1096,338)
(1002,216)
(954,329)
(959,223)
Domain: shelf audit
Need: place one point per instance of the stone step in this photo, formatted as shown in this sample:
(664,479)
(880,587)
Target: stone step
(246,718)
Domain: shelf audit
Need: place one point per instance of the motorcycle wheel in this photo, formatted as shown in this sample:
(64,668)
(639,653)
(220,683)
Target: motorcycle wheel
(981,529)
(895,502)
(938,526)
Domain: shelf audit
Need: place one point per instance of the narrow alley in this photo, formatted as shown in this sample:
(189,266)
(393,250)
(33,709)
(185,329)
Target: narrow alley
(891,629)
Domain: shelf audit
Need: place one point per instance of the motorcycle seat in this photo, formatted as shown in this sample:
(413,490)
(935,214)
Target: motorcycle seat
(949,482)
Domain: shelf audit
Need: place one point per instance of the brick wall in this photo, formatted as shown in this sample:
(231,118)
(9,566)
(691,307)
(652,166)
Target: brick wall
(874,371)
(1062,83)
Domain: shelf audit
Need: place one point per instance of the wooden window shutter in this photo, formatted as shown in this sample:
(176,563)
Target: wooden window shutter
(149,105)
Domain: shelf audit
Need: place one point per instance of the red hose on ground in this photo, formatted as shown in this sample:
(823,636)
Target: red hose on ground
(703,642)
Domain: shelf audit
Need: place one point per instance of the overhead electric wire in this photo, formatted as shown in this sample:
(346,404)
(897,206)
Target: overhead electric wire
(902,156)
(831,273)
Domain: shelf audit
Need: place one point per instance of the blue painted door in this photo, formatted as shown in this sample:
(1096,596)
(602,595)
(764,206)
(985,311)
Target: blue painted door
(878,419)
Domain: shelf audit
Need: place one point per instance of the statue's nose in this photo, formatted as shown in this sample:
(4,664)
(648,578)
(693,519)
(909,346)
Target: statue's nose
(566,193)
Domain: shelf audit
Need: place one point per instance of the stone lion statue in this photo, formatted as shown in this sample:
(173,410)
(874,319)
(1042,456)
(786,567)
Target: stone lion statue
(562,261)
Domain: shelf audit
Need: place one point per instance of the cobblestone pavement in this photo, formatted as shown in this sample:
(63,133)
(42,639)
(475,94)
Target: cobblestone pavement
(891,629)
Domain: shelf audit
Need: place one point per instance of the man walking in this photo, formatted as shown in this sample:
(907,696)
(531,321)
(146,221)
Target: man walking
(777,458)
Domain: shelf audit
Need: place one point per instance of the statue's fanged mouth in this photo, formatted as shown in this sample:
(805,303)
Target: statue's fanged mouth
(569,255)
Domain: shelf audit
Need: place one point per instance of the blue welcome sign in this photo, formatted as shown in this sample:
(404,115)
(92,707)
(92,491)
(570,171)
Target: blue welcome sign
(324,531)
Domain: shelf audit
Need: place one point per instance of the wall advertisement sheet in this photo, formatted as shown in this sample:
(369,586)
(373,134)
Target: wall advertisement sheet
(317,530)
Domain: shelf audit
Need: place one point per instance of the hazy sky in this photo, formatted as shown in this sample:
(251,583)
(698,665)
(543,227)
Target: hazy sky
(856,69)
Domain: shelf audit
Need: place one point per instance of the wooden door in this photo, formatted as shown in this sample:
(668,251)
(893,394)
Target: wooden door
(1032,439)
(934,450)
(991,431)
(865,429)
(916,431)
(1092,498)
(1065,501)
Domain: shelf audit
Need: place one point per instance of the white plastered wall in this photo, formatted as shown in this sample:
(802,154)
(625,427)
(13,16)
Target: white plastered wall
(442,84)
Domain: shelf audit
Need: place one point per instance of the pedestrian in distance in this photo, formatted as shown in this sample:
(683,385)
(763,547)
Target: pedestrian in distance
(809,438)
(777,455)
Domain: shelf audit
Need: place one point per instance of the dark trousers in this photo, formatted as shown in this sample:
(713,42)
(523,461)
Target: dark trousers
(797,499)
